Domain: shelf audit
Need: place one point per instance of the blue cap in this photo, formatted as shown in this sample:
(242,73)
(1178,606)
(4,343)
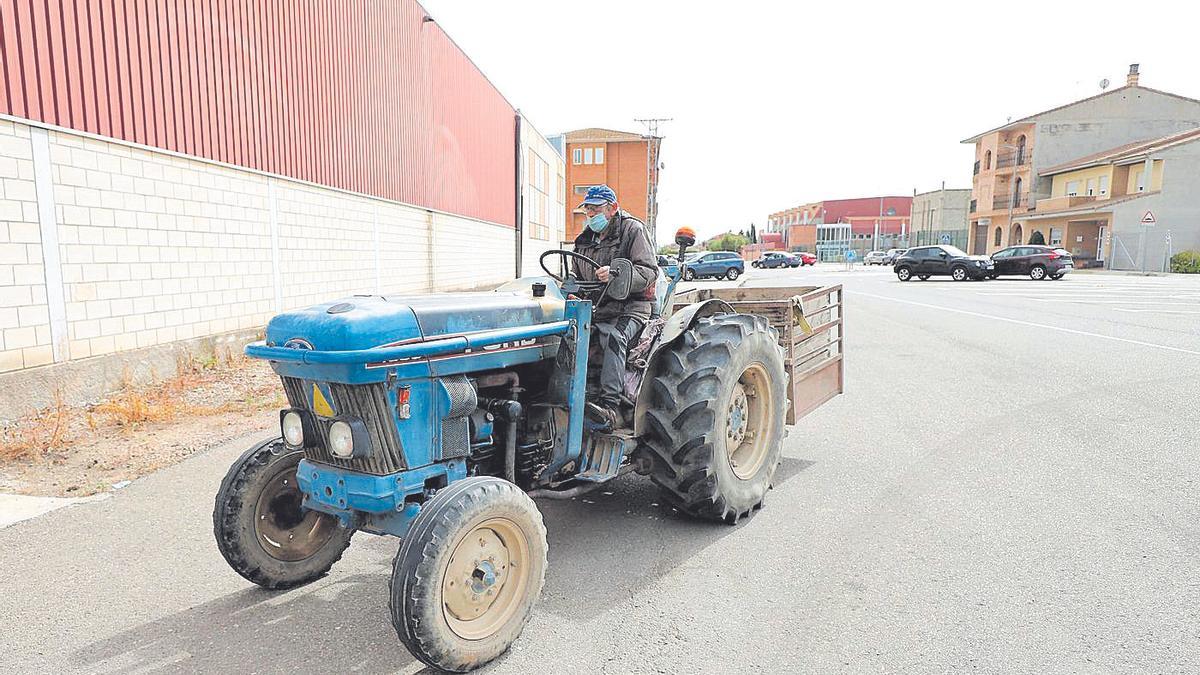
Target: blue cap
(600,194)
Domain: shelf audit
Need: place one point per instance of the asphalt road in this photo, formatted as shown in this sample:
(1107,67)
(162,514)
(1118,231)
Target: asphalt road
(1009,484)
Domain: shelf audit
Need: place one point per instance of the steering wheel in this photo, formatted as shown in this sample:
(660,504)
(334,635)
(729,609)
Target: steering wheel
(567,281)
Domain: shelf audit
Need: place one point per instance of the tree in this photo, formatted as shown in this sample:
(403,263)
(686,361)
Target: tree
(1037,238)
(729,241)
(753,234)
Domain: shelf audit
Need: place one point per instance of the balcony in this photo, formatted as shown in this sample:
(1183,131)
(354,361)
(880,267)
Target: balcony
(1009,158)
(1063,203)
(1004,202)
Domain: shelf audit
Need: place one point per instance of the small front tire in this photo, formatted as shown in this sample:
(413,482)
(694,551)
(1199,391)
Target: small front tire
(904,274)
(732,273)
(689,275)
(468,574)
(262,528)
(959,273)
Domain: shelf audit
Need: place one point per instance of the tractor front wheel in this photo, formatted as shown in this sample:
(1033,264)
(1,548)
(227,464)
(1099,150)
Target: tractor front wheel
(467,576)
(714,427)
(262,528)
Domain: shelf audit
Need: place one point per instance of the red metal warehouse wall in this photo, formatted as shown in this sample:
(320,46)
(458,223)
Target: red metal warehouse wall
(365,96)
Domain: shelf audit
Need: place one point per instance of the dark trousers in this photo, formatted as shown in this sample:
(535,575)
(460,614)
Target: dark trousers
(611,339)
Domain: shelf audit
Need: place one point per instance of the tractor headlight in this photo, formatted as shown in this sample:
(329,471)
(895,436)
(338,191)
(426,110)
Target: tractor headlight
(341,440)
(292,425)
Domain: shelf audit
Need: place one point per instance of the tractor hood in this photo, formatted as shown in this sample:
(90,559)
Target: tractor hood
(366,321)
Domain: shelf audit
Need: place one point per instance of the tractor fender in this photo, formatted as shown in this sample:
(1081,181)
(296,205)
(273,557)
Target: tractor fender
(681,320)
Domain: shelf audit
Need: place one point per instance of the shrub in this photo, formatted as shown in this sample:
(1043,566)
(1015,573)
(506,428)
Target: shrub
(1186,262)
(1037,238)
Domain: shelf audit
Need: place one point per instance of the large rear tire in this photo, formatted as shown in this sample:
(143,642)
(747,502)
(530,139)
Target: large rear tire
(714,426)
(261,527)
(468,574)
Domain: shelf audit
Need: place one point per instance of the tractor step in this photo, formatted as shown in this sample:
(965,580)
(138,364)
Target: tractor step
(603,456)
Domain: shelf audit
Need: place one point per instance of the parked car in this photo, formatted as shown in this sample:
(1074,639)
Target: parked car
(932,261)
(889,258)
(1039,262)
(773,259)
(715,264)
(874,258)
(806,258)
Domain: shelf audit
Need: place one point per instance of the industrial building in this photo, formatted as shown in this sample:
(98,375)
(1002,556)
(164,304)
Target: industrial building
(940,217)
(179,172)
(832,227)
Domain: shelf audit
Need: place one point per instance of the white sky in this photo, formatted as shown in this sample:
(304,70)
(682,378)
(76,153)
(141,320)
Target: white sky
(780,103)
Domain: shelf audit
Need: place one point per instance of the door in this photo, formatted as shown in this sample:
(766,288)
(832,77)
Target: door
(1024,260)
(1100,243)
(939,261)
(1003,261)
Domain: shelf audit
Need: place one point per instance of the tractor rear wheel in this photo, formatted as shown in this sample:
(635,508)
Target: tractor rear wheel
(262,528)
(468,574)
(714,426)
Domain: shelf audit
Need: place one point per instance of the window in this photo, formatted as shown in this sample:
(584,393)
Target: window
(537,212)
(987,160)
(1072,188)
(1103,185)
(1021,150)
(1091,187)
(587,155)
(1003,254)
(999,234)
(1056,235)
(577,156)
(1140,173)
(599,155)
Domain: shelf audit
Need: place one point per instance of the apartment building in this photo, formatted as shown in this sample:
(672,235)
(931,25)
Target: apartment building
(1010,159)
(626,162)
(1126,207)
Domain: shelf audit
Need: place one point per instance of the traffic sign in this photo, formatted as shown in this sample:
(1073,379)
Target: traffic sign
(1148,219)
(945,239)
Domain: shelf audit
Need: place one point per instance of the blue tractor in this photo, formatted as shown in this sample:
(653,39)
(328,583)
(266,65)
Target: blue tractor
(436,418)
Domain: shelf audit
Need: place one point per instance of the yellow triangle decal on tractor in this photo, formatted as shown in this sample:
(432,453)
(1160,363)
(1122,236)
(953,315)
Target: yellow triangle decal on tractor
(320,405)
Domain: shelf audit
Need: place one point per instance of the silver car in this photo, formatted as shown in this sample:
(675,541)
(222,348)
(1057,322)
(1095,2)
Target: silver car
(875,258)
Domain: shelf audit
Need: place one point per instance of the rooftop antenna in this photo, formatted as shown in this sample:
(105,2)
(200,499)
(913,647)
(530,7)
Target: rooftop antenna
(1104,84)
(653,166)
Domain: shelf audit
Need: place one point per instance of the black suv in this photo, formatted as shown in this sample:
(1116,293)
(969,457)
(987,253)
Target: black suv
(932,261)
(1039,262)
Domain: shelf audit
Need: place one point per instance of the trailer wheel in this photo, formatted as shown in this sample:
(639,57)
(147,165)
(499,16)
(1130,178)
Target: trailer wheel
(714,426)
(262,528)
(468,574)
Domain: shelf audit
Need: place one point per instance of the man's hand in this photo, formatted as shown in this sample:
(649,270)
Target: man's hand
(602,273)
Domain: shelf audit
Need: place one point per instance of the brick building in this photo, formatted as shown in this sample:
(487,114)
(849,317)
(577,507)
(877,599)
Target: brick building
(624,161)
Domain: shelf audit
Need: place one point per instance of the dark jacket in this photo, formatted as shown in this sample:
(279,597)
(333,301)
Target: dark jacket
(625,237)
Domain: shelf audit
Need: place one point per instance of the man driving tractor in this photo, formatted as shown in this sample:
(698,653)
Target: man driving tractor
(609,233)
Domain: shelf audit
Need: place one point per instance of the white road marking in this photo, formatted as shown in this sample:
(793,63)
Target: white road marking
(1029,323)
(1153,311)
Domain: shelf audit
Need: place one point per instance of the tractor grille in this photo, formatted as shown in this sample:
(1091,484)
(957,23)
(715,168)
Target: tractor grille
(367,402)
(456,433)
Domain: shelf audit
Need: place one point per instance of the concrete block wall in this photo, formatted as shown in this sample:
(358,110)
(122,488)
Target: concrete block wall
(155,248)
(24,315)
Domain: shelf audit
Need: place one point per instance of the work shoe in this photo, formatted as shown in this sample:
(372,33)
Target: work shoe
(603,418)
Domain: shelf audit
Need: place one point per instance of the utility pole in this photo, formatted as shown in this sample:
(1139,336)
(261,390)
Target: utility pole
(653,141)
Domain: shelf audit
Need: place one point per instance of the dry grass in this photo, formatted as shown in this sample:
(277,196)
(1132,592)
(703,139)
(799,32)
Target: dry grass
(202,386)
(43,433)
